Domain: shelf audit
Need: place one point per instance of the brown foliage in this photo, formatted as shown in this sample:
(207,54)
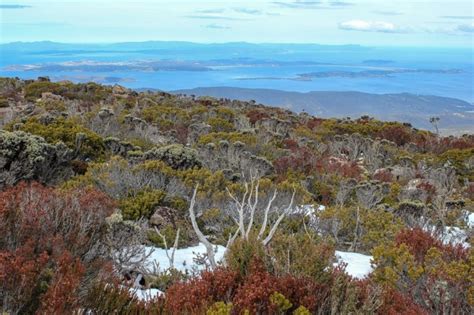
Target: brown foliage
(398,134)
(47,237)
(198,294)
(419,242)
(255,115)
(394,303)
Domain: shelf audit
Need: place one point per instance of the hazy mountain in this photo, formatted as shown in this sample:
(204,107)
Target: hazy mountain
(457,116)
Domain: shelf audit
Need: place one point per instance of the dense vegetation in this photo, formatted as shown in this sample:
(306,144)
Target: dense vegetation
(88,173)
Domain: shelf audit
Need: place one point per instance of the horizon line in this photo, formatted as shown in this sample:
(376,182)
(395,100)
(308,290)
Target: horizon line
(231,42)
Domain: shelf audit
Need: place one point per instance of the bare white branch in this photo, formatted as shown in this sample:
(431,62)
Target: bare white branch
(202,238)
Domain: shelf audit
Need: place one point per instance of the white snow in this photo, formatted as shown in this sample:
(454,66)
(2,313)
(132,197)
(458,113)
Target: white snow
(309,209)
(183,261)
(146,294)
(455,235)
(358,265)
(183,257)
(470,220)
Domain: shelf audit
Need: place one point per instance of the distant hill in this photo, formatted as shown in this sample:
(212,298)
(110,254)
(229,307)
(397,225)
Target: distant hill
(457,116)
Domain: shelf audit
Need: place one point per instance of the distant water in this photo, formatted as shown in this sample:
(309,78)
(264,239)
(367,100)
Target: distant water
(173,66)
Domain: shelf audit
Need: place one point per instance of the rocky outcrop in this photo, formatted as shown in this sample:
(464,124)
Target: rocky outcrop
(164,216)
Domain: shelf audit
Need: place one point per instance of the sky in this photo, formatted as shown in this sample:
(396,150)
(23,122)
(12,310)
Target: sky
(437,23)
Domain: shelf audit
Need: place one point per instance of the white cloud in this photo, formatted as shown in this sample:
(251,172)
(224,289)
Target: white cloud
(467,28)
(370,26)
(217,26)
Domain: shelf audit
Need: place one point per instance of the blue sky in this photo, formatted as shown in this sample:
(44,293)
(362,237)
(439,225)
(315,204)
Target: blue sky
(445,23)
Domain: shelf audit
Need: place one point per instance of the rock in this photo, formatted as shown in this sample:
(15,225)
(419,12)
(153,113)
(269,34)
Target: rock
(48,96)
(119,90)
(105,113)
(44,79)
(164,216)
(157,219)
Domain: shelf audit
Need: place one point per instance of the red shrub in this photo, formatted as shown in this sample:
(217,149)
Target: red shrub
(469,191)
(61,296)
(255,115)
(395,303)
(419,242)
(301,159)
(314,123)
(383,175)
(182,132)
(46,235)
(398,134)
(290,144)
(254,294)
(438,145)
(342,167)
(429,189)
(197,294)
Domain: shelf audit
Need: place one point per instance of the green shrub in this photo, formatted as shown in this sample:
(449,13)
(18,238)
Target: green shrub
(242,253)
(35,89)
(141,205)
(164,280)
(220,308)
(186,235)
(220,125)
(280,302)
(215,137)
(69,132)
(175,155)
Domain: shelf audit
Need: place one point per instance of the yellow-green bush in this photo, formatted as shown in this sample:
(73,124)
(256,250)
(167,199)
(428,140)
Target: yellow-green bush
(141,205)
(67,131)
(220,125)
(242,253)
(220,308)
(280,302)
(35,89)
(215,137)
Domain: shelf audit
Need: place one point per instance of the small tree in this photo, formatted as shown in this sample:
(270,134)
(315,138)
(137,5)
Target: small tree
(434,121)
(246,209)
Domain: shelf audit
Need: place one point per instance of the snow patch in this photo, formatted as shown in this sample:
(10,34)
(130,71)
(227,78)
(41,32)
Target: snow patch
(183,257)
(455,235)
(470,220)
(146,294)
(358,265)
